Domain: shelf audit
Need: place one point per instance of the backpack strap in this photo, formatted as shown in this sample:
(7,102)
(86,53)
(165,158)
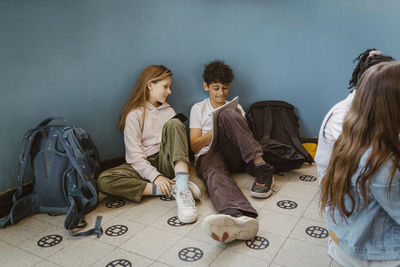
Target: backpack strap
(75,216)
(267,124)
(4,222)
(24,156)
(296,141)
(23,206)
(75,219)
(71,148)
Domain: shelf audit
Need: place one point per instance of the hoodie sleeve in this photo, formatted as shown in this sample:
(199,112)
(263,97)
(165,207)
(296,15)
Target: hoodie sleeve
(134,153)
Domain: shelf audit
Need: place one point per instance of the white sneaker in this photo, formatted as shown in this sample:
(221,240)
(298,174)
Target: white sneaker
(196,192)
(225,228)
(187,211)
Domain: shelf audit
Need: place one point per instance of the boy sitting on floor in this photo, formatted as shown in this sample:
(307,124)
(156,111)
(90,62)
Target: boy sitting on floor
(234,149)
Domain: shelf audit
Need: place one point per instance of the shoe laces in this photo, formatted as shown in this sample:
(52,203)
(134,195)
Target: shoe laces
(186,197)
(263,174)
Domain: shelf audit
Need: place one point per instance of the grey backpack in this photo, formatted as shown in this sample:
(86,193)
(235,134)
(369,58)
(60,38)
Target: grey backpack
(65,165)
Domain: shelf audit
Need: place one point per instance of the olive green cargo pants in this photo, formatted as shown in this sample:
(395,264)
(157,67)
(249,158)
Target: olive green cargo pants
(124,181)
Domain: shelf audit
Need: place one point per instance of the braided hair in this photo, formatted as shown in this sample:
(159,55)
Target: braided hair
(365,60)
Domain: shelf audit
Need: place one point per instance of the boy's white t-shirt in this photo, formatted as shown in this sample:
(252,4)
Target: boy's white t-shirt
(201,117)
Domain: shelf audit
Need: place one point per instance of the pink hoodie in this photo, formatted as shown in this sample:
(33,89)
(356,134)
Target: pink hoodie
(138,145)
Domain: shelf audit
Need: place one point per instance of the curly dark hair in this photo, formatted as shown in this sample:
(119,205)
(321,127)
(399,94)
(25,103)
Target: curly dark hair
(217,72)
(365,62)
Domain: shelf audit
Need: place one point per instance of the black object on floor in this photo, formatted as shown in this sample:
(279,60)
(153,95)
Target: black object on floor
(308,178)
(49,241)
(257,243)
(317,232)
(116,230)
(119,262)
(287,204)
(115,204)
(175,222)
(165,198)
(190,254)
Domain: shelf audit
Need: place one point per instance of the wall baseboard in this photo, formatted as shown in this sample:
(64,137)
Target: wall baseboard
(6,197)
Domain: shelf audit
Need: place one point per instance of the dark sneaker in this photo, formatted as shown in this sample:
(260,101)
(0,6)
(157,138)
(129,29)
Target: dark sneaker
(263,181)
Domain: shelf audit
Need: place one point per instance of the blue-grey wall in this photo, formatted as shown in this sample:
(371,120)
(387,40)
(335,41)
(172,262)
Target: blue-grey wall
(80,58)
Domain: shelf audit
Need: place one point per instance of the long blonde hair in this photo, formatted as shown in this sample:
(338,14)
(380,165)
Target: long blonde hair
(373,121)
(140,93)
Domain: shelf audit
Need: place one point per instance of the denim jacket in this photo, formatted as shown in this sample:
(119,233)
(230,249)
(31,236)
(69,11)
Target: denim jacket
(373,232)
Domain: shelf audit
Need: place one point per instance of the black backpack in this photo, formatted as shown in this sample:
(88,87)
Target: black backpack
(65,165)
(275,126)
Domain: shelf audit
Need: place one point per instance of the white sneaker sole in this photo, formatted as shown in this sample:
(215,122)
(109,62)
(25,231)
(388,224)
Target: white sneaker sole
(196,192)
(225,228)
(263,195)
(187,219)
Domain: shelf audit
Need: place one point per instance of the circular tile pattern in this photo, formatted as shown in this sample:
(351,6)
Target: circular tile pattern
(115,204)
(257,243)
(317,232)
(287,204)
(119,263)
(190,254)
(308,178)
(116,230)
(53,214)
(49,241)
(165,198)
(174,221)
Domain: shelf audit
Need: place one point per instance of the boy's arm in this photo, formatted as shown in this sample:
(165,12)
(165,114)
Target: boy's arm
(198,141)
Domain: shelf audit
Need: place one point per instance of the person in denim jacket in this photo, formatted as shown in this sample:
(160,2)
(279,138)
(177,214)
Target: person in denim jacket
(360,191)
(332,124)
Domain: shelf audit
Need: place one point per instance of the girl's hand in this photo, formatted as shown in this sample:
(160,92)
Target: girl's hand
(164,185)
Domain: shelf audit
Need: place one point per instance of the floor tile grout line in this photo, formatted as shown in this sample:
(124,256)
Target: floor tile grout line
(157,259)
(283,243)
(48,256)
(308,242)
(129,219)
(104,256)
(29,252)
(294,239)
(287,237)
(176,242)
(216,256)
(116,248)
(137,254)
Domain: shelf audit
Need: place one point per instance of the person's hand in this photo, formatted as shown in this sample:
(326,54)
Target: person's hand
(164,185)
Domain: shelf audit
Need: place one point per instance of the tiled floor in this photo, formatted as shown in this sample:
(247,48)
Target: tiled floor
(292,233)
